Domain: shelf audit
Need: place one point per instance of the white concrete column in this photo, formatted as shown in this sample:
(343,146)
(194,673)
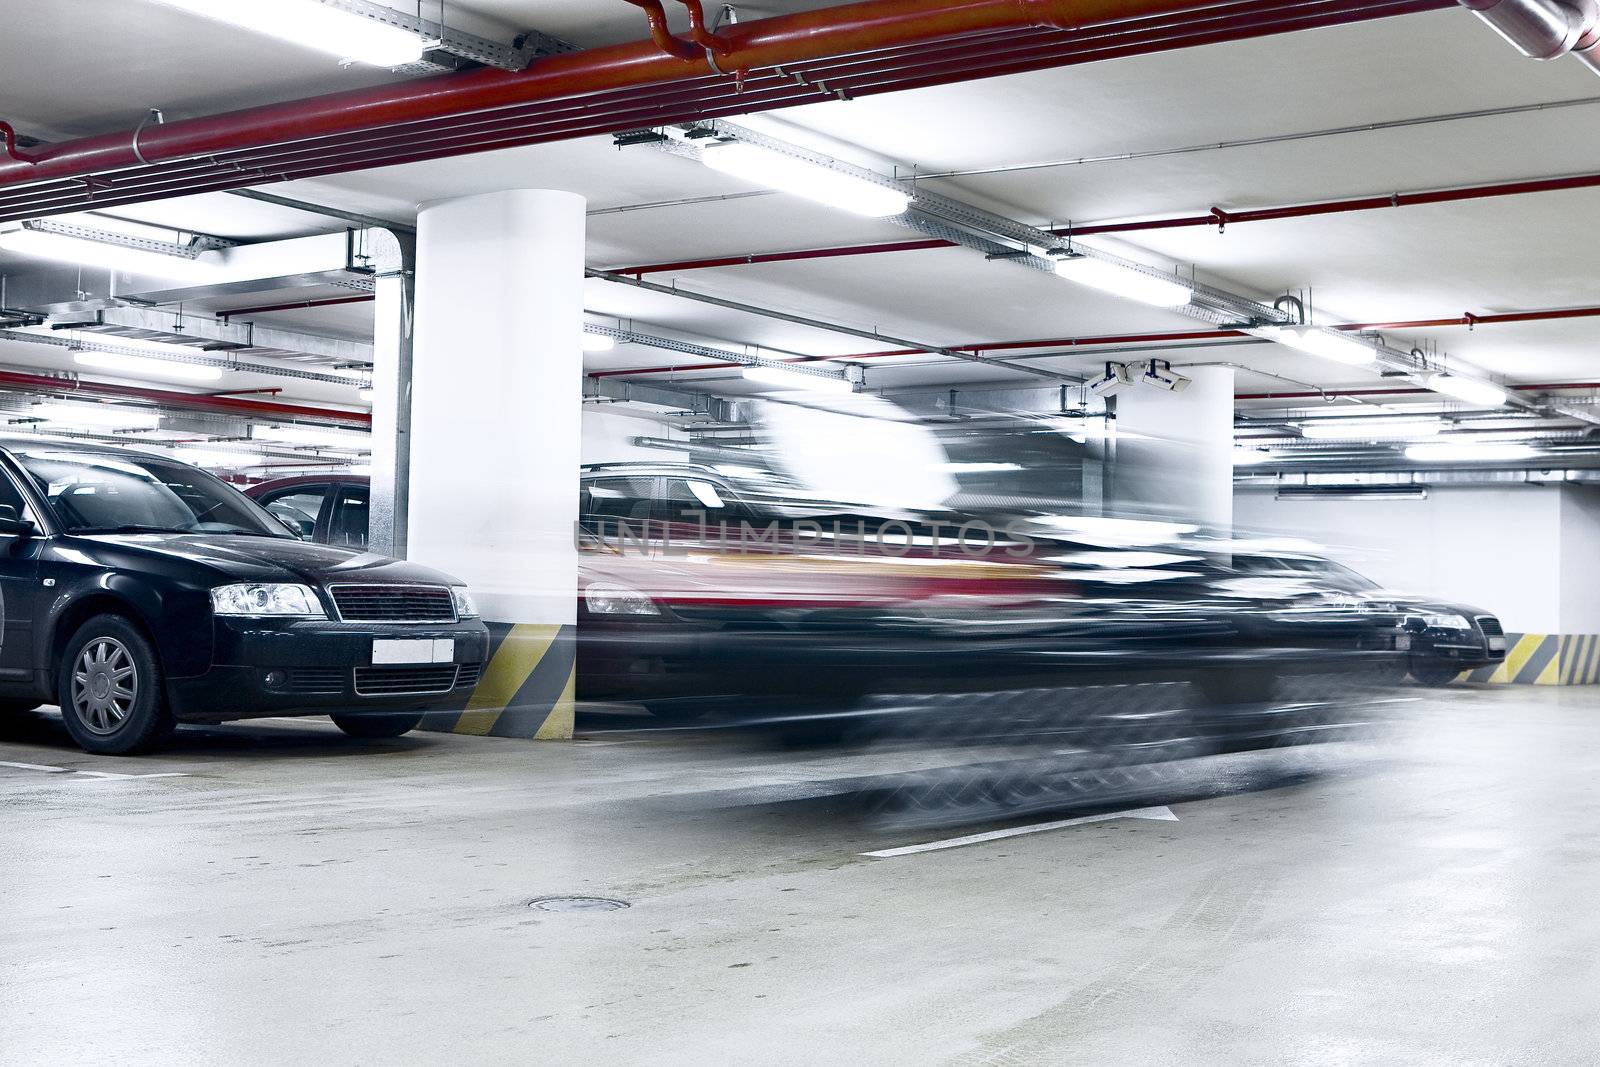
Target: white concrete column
(1174,451)
(495,432)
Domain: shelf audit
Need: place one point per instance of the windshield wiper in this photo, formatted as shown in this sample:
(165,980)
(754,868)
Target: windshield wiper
(127,527)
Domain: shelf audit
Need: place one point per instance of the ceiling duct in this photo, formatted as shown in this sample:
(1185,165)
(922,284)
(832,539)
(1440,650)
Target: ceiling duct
(1545,29)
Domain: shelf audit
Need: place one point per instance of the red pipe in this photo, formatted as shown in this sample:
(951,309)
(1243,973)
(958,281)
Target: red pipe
(18,381)
(1214,218)
(1535,388)
(412,134)
(870,26)
(1177,336)
(656,16)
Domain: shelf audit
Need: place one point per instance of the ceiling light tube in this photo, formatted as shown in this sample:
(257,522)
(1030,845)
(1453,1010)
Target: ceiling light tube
(802,177)
(1369,429)
(313,24)
(1126,282)
(84,252)
(1454,452)
(1468,390)
(324,436)
(598,342)
(145,367)
(781,378)
(100,415)
(1328,344)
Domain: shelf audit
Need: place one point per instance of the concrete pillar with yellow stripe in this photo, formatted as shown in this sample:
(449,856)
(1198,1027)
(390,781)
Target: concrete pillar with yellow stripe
(494,443)
(1544,659)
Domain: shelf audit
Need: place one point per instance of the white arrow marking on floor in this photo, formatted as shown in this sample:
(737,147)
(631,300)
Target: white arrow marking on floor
(1161,814)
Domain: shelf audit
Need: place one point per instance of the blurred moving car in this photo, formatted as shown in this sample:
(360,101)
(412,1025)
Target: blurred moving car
(1446,638)
(140,592)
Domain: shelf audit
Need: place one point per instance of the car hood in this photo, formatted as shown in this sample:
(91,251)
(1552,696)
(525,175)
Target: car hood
(278,559)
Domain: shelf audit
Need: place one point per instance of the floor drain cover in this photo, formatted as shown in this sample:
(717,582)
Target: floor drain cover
(577,904)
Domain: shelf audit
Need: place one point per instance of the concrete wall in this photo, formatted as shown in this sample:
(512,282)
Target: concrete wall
(1514,551)
(608,436)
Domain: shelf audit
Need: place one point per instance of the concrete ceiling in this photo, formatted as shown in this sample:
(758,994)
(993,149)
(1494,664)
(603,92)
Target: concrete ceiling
(1483,256)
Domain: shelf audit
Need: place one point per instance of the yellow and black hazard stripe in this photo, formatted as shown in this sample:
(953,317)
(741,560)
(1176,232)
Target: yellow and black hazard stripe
(526,689)
(1544,659)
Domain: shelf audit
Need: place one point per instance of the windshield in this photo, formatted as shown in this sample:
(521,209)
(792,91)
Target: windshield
(93,492)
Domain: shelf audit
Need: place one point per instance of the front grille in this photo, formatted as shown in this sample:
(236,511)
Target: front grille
(393,603)
(405,681)
(1490,626)
(468,675)
(322,680)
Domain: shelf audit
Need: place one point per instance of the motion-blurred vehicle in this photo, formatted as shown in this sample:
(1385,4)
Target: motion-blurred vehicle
(140,592)
(702,585)
(1446,638)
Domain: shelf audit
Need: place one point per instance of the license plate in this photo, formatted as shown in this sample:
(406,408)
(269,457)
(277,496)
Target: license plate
(1497,644)
(414,650)
(1402,643)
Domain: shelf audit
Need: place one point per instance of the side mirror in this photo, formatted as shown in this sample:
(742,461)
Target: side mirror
(14,525)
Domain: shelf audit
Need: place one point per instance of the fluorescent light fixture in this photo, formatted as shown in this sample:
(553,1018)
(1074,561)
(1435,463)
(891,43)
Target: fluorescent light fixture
(598,342)
(1469,390)
(101,415)
(780,378)
(1249,457)
(364,394)
(323,436)
(1125,282)
(209,457)
(1370,429)
(85,252)
(145,367)
(1328,344)
(1465,452)
(802,177)
(315,25)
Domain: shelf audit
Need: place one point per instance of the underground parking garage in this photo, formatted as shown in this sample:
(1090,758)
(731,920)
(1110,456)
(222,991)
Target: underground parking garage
(900,531)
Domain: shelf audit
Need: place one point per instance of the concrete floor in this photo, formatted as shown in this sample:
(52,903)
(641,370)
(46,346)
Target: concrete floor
(1429,897)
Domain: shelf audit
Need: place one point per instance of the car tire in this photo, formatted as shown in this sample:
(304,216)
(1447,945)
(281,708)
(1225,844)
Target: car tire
(382,725)
(110,688)
(1434,672)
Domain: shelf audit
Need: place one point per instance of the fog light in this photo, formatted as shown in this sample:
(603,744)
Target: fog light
(277,679)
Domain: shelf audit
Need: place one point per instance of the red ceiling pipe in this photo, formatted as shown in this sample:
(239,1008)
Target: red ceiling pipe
(19,381)
(411,139)
(1168,337)
(1539,387)
(656,16)
(862,27)
(1213,218)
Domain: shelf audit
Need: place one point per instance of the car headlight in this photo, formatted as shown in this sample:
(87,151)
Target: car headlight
(274,598)
(465,607)
(618,600)
(1446,622)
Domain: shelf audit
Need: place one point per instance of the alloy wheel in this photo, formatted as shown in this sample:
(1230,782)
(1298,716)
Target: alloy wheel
(105,684)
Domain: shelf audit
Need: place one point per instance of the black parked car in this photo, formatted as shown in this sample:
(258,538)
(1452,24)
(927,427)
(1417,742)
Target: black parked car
(139,592)
(1446,638)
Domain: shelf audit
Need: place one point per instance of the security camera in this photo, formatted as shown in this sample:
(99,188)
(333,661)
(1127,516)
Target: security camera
(1116,376)
(1161,375)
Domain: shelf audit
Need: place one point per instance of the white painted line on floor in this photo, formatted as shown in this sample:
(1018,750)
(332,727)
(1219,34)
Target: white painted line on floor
(1161,814)
(33,767)
(108,776)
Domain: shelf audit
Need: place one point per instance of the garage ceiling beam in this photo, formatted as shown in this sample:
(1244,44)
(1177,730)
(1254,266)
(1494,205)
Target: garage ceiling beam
(831,327)
(1215,216)
(17,381)
(206,333)
(843,52)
